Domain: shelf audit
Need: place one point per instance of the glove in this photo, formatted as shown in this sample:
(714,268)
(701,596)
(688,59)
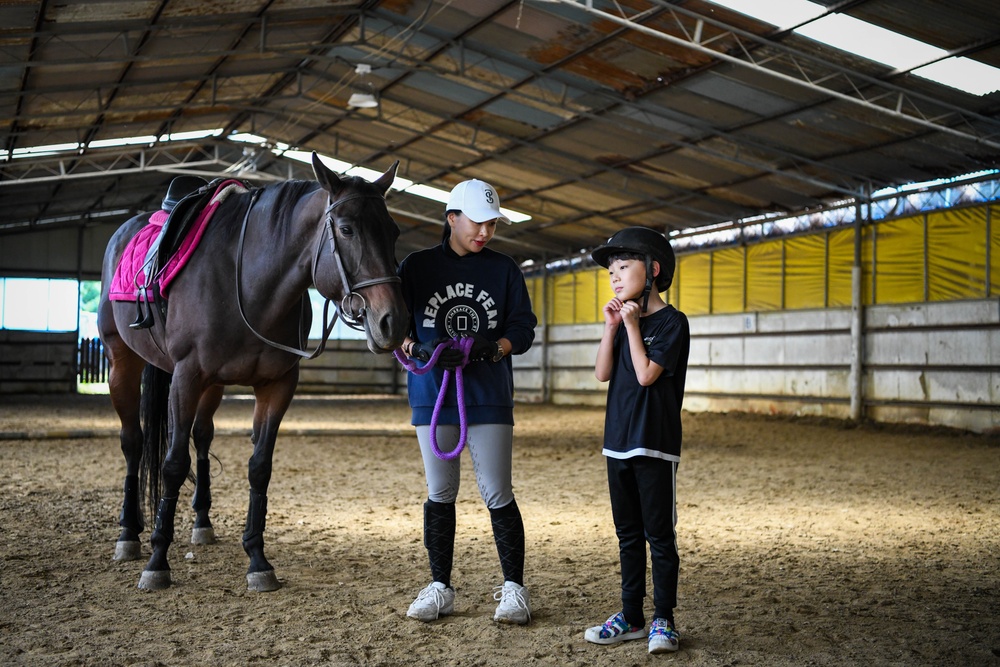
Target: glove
(450,357)
(422,351)
(483,348)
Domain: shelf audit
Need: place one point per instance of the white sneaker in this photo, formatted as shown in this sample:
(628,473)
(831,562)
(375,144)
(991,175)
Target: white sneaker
(433,602)
(514,606)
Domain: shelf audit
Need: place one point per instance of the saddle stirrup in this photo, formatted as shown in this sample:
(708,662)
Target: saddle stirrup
(143,320)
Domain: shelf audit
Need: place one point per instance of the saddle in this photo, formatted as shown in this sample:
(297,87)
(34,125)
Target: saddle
(186,213)
(178,224)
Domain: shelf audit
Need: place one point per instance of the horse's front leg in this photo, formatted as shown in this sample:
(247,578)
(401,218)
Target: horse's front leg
(203,432)
(272,401)
(176,465)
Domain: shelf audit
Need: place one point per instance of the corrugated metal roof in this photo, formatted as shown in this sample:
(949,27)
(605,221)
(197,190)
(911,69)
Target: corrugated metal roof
(589,116)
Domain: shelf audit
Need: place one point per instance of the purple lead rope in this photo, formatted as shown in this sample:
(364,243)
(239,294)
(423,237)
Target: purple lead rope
(463,344)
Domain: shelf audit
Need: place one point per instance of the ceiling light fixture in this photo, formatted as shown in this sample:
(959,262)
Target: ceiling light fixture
(363,100)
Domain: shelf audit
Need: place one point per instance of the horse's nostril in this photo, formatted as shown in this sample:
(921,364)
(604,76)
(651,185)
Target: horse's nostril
(390,326)
(385,326)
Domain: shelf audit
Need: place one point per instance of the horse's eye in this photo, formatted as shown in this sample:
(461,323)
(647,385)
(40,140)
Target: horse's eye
(346,230)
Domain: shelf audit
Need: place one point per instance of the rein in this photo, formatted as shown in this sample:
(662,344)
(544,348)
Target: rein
(463,344)
(351,317)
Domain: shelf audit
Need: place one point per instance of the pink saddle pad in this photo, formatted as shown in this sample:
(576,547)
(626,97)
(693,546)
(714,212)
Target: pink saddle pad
(130,279)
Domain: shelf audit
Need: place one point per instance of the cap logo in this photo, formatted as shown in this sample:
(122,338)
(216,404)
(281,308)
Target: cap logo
(488,194)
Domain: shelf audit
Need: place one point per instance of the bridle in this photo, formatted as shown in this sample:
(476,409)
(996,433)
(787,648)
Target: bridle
(352,316)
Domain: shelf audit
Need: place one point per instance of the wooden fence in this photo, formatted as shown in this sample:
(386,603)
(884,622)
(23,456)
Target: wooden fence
(91,362)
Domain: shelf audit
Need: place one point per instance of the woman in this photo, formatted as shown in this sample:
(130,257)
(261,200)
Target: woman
(462,289)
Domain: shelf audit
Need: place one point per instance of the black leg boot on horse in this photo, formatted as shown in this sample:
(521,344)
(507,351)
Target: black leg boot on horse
(201,503)
(260,576)
(270,404)
(128,546)
(175,469)
(156,576)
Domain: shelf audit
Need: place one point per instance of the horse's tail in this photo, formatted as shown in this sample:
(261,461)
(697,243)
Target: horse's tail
(154,418)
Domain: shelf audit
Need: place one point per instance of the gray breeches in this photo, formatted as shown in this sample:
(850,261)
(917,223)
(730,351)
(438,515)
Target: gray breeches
(490,447)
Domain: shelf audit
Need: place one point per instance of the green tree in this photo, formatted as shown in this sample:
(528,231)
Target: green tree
(90,295)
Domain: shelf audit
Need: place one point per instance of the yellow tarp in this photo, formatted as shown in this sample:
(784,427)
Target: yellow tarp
(693,283)
(805,271)
(727,280)
(899,261)
(956,254)
(561,307)
(536,286)
(672,295)
(839,262)
(604,293)
(994,220)
(764,276)
(585,304)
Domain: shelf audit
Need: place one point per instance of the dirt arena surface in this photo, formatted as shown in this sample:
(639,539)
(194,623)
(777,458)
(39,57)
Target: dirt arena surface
(802,542)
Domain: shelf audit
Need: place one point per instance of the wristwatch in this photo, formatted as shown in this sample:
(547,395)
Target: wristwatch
(498,355)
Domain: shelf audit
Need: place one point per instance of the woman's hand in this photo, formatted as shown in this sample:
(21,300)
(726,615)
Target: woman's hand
(482,349)
(450,357)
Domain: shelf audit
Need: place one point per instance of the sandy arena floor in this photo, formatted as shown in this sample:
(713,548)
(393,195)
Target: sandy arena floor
(802,542)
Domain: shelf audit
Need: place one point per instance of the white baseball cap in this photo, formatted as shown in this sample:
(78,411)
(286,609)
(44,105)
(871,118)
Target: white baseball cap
(477,200)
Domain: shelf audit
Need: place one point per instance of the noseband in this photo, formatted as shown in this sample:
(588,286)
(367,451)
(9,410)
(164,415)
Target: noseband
(352,316)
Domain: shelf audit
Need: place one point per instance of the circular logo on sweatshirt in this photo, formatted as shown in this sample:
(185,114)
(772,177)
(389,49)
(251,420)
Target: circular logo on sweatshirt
(461,320)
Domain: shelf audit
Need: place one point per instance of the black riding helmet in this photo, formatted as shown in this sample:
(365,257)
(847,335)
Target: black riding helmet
(180,188)
(642,241)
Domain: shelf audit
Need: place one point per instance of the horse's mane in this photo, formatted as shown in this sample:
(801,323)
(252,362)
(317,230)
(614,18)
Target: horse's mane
(282,198)
(278,199)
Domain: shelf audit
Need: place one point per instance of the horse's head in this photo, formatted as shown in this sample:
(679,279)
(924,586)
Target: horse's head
(358,269)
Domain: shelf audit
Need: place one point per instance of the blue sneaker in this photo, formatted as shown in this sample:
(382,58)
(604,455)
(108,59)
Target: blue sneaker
(663,638)
(615,629)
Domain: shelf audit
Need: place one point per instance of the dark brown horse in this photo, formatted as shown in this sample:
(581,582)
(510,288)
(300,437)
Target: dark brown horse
(236,315)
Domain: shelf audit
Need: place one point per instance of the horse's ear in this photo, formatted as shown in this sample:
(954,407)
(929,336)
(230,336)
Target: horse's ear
(384,181)
(329,180)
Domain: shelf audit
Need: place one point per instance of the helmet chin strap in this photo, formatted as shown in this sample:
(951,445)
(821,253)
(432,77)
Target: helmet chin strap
(649,283)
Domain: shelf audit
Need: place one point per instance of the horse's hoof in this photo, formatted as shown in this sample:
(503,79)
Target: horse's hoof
(203,535)
(263,582)
(128,550)
(154,580)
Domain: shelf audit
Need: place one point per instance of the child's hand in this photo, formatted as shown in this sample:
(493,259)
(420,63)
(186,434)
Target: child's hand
(612,312)
(630,312)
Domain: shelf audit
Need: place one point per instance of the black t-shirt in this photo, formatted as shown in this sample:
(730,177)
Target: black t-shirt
(646,421)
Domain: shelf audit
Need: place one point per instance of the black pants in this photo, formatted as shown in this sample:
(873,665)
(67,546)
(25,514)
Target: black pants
(643,504)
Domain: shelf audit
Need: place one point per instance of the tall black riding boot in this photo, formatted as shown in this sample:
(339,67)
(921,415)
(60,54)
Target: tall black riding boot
(508,533)
(439,538)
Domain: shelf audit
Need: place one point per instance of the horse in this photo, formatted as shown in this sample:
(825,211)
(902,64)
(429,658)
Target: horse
(235,315)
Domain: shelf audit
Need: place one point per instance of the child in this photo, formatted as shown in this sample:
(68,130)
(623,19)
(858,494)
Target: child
(644,353)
